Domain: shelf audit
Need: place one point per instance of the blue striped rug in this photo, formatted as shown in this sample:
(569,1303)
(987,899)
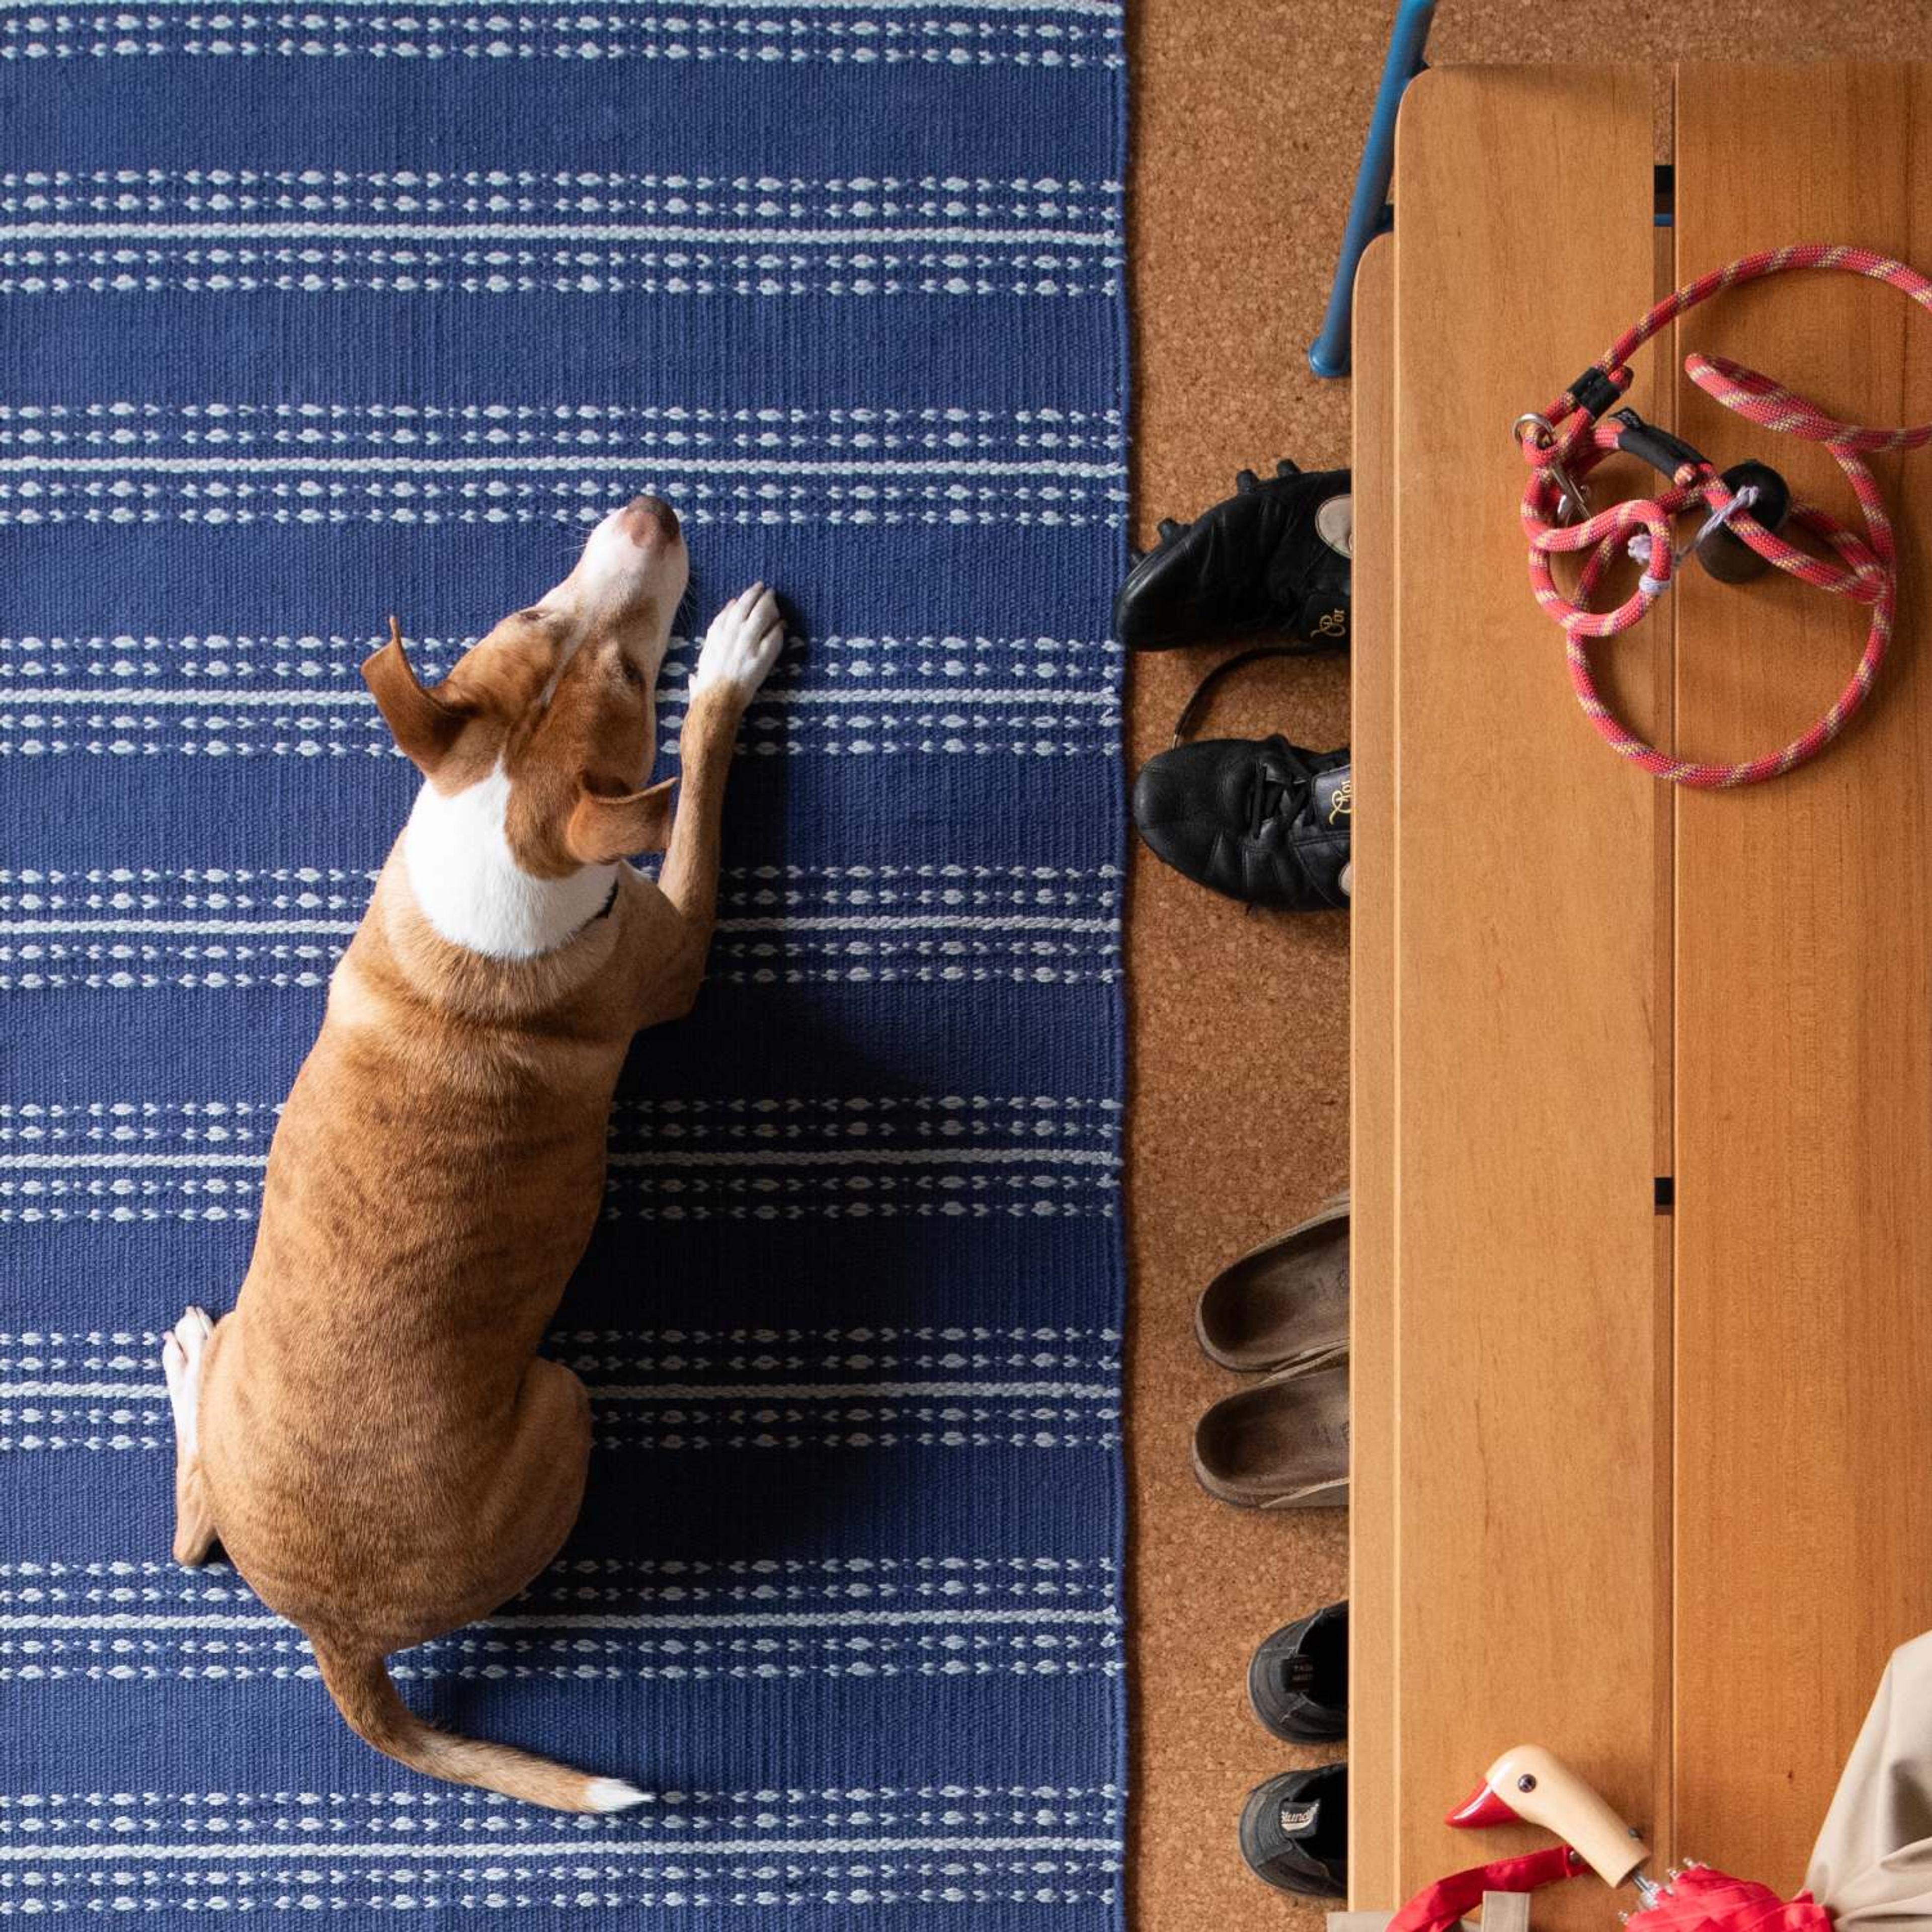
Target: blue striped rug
(309,312)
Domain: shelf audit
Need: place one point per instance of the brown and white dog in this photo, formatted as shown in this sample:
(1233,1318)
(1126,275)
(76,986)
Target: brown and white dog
(370,1433)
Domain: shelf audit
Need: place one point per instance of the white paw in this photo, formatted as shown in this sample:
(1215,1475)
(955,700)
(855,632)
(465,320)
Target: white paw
(183,1349)
(742,644)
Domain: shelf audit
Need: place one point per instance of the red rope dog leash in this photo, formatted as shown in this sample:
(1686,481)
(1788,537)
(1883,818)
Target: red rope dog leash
(1564,445)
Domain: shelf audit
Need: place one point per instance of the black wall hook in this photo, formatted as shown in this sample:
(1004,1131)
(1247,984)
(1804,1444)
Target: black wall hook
(1726,555)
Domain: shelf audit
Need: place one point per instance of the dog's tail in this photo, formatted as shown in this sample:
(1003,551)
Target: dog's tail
(367,1698)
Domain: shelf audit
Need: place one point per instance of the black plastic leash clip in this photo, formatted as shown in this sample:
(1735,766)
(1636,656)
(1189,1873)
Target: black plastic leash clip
(1594,391)
(1724,555)
(1656,447)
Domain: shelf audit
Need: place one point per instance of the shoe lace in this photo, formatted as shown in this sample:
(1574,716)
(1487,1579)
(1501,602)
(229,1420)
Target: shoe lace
(1278,793)
(1197,702)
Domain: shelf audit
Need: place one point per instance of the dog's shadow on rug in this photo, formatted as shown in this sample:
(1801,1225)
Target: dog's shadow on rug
(744,1297)
(759,1294)
(741,1326)
(743,1320)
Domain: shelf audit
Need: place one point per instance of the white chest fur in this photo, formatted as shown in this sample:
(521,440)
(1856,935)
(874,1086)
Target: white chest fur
(472,890)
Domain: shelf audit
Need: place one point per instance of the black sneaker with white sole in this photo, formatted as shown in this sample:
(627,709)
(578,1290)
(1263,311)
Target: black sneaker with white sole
(1294,1831)
(1257,820)
(1273,558)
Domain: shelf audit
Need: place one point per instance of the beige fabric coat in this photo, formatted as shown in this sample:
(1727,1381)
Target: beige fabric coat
(1872,1865)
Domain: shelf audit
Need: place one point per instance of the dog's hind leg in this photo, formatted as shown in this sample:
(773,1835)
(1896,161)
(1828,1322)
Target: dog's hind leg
(539,1489)
(183,1350)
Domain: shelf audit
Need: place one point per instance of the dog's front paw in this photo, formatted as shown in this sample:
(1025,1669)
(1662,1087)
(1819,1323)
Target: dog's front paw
(742,644)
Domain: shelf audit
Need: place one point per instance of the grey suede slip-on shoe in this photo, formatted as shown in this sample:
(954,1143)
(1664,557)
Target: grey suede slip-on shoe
(1285,1302)
(1281,1443)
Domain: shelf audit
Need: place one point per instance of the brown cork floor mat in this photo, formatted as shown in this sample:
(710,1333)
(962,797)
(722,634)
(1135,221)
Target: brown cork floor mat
(1248,120)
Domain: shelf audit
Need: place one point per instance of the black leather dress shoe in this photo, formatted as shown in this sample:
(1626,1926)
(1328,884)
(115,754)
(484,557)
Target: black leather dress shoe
(1294,1831)
(1274,557)
(1259,820)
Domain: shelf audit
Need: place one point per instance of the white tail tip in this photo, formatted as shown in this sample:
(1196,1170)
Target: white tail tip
(613,1794)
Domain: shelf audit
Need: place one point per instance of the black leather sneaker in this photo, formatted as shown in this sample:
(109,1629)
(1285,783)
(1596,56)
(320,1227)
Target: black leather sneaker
(1261,820)
(1274,557)
(1298,1681)
(1294,1831)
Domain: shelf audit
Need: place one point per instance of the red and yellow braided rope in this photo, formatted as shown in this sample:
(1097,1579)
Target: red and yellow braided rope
(1575,443)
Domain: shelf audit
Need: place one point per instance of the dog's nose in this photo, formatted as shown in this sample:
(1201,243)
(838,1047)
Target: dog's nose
(643,517)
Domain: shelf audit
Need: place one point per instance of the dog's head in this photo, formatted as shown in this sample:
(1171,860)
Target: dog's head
(556,704)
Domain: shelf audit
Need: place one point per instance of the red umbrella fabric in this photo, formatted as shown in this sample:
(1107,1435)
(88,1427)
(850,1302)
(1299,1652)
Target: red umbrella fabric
(1440,1906)
(1701,1900)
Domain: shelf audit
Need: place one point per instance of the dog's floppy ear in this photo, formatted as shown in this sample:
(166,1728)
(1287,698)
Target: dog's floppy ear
(425,725)
(603,828)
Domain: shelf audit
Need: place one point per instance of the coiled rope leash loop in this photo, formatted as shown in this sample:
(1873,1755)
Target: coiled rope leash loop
(1564,443)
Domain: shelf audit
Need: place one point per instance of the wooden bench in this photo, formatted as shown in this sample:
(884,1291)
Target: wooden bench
(1642,1155)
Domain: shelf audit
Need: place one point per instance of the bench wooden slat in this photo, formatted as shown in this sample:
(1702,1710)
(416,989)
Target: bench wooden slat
(1372,1580)
(1804,1024)
(1528,1549)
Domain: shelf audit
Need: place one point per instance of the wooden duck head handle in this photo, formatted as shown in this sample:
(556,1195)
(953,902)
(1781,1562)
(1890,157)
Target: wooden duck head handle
(1532,1785)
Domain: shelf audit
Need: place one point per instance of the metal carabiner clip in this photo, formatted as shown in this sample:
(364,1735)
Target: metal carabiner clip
(1572,504)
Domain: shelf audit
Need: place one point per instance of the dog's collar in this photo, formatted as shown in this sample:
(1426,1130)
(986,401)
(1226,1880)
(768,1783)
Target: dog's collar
(602,912)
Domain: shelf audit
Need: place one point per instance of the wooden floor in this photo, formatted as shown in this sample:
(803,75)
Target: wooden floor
(1247,123)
